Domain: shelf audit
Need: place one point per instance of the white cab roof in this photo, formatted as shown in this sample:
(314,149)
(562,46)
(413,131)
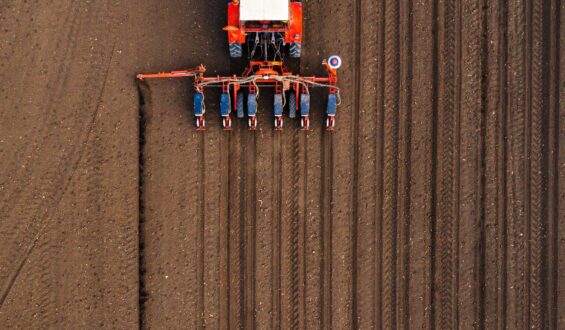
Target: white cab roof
(264,10)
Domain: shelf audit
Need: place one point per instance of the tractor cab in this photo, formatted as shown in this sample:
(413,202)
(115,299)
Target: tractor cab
(266,30)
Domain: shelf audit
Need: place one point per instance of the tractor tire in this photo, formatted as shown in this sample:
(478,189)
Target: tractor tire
(236,50)
(292,105)
(295,50)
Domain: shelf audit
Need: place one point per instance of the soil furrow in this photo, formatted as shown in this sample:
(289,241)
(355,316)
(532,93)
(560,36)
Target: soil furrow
(224,232)
(326,229)
(236,231)
(288,188)
(313,250)
(302,250)
(404,161)
(211,219)
(380,167)
(144,98)
(502,171)
(250,225)
(295,255)
(201,238)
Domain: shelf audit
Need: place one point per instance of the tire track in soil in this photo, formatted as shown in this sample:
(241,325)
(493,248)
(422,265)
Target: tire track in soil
(494,192)
(559,170)
(470,175)
(516,171)
(423,121)
(289,257)
(552,229)
(365,285)
(293,303)
(527,163)
(276,233)
(445,229)
(390,156)
(536,156)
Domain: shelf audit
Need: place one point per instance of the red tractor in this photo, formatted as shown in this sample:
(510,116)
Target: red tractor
(266,31)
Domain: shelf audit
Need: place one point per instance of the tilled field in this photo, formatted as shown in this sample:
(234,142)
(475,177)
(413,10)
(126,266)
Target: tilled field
(439,202)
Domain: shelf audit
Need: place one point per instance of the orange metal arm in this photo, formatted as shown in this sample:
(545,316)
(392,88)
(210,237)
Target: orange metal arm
(173,74)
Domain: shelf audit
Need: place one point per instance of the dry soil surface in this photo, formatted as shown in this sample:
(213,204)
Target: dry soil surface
(438,202)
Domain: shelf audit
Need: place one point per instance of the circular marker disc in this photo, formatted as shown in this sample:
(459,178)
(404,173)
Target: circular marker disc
(334,62)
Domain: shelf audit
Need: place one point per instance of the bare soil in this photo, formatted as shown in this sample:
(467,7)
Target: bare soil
(438,202)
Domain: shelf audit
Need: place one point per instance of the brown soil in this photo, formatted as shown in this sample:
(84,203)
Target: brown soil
(439,202)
